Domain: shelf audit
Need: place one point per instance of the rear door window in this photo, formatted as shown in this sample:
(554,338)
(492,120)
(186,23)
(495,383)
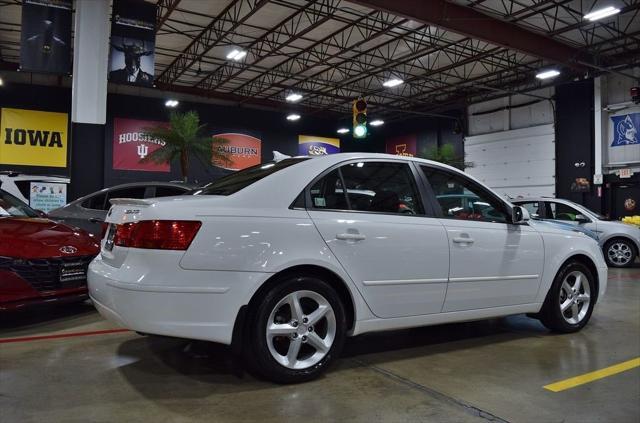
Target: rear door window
(161,191)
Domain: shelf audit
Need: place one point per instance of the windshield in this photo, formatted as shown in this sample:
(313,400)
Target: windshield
(11,206)
(234,182)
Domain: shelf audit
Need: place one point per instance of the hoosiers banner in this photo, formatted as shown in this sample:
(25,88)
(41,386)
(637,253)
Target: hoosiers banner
(45,44)
(317,146)
(130,146)
(133,39)
(244,150)
(33,138)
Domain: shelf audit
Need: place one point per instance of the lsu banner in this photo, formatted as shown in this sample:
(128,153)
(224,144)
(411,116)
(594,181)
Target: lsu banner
(405,145)
(133,40)
(625,129)
(33,138)
(317,146)
(130,146)
(244,150)
(45,44)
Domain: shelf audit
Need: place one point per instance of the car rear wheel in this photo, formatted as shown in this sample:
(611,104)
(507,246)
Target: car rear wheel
(619,252)
(570,300)
(297,330)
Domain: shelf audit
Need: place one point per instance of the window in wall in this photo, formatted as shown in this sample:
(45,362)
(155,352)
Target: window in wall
(461,198)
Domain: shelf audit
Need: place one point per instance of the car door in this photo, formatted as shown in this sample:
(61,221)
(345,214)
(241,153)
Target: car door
(493,263)
(371,215)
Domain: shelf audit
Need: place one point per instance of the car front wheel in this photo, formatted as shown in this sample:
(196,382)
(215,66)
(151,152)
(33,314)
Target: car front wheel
(297,330)
(570,299)
(619,253)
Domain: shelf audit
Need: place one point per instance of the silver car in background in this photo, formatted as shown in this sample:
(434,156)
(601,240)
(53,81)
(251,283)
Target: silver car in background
(89,212)
(620,241)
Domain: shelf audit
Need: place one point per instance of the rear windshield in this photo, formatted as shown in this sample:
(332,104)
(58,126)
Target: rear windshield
(234,182)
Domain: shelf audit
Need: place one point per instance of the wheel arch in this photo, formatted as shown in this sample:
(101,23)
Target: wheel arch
(333,279)
(587,261)
(624,237)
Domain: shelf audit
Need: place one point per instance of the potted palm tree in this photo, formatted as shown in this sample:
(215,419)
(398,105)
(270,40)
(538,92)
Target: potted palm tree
(183,138)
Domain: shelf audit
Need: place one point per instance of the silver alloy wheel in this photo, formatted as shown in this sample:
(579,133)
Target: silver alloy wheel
(575,297)
(619,253)
(301,329)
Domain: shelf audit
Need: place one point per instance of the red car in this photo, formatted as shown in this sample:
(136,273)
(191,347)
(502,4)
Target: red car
(41,261)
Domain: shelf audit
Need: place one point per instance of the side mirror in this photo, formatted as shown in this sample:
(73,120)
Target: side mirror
(581,218)
(519,215)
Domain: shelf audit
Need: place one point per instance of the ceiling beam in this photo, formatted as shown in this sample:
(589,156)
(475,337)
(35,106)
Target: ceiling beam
(472,23)
(165,8)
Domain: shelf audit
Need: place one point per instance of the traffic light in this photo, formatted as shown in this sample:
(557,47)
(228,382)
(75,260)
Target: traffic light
(359,118)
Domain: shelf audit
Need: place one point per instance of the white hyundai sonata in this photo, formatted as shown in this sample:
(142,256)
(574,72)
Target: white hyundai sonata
(285,259)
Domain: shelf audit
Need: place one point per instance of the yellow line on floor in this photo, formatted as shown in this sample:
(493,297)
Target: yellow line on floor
(590,377)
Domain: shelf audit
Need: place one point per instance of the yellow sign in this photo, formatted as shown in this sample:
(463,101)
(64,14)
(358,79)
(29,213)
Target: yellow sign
(33,138)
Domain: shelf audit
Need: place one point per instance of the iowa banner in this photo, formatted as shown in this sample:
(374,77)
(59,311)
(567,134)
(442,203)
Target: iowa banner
(317,146)
(130,146)
(33,138)
(45,44)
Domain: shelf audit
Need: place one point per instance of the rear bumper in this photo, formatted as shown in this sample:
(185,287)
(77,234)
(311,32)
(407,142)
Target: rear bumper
(166,300)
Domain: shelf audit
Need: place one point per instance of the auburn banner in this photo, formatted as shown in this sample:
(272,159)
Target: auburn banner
(130,146)
(317,146)
(244,150)
(33,138)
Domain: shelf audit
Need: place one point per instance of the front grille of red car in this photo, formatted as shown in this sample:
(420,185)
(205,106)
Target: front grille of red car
(45,274)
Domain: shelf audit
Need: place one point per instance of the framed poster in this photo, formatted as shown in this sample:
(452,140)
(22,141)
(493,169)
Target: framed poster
(33,138)
(130,146)
(47,196)
(244,150)
(317,146)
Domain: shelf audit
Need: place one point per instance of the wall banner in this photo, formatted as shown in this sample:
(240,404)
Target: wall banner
(317,146)
(45,44)
(625,129)
(47,196)
(33,138)
(133,39)
(130,146)
(405,145)
(244,150)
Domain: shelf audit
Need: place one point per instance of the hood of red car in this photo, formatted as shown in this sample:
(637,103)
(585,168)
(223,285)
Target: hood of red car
(23,237)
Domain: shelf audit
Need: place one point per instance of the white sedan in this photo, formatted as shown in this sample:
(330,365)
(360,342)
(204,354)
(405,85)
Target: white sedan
(285,259)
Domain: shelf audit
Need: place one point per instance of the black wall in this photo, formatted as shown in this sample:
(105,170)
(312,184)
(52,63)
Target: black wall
(575,141)
(90,146)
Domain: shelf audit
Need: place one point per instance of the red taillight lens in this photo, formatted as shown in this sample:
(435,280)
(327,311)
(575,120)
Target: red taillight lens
(157,234)
(103,229)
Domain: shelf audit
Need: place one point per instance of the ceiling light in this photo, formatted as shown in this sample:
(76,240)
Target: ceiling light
(1,82)
(293,117)
(343,131)
(601,13)
(377,122)
(171,103)
(236,54)
(293,97)
(393,82)
(551,73)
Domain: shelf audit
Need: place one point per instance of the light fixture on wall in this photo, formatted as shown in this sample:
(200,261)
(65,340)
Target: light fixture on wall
(342,131)
(1,82)
(293,97)
(393,82)
(548,74)
(605,12)
(376,122)
(293,117)
(171,103)
(236,54)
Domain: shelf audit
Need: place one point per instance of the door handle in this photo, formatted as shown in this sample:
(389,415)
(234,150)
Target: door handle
(462,240)
(351,237)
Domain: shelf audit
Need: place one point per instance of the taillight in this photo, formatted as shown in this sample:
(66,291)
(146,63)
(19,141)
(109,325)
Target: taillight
(103,229)
(157,234)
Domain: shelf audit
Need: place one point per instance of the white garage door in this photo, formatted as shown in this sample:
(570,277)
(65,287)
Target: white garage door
(515,163)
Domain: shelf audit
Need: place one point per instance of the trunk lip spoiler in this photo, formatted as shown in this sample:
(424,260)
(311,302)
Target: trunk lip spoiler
(130,202)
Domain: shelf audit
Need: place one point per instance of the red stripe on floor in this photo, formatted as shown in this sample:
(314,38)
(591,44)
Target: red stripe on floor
(62,335)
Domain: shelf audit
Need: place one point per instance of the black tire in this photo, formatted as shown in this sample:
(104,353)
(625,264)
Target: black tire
(619,241)
(550,314)
(258,354)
